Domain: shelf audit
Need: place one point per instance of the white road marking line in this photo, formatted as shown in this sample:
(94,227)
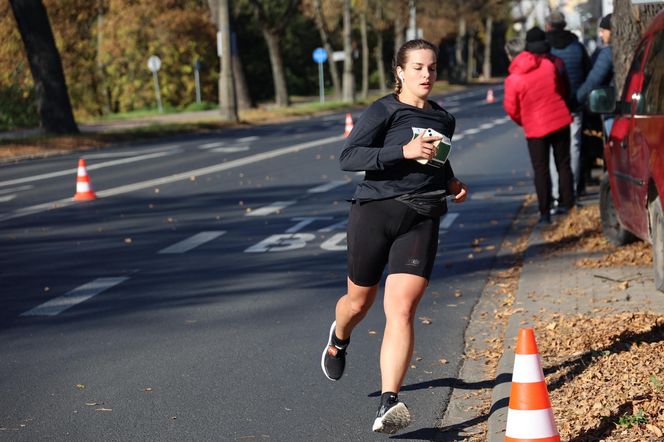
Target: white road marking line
(230,149)
(89,167)
(457,137)
(174,178)
(248,139)
(472,131)
(486,126)
(210,145)
(15,189)
(327,186)
(75,296)
(275,207)
(192,242)
(5,198)
(447,220)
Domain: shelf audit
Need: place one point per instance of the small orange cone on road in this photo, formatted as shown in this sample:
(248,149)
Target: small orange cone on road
(349,124)
(84,190)
(489,96)
(529,416)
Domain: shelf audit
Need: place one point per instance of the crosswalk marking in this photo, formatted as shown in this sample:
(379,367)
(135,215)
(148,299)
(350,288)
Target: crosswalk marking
(192,242)
(75,296)
(270,209)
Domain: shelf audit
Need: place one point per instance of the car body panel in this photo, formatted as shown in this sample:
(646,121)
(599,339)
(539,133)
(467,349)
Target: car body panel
(634,152)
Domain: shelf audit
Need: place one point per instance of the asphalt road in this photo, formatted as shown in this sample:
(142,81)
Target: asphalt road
(192,299)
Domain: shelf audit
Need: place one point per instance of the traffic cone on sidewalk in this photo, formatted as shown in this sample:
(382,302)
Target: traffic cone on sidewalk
(84,190)
(349,124)
(489,96)
(529,416)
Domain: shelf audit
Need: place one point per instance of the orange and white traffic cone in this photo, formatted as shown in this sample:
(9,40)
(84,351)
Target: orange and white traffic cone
(489,96)
(529,416)
(349,125)
(84,190)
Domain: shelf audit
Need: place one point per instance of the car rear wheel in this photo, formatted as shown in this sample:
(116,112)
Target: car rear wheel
(613,230)
(657,229)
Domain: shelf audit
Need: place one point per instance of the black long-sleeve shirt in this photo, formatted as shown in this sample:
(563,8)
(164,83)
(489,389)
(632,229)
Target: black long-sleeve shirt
(375,145)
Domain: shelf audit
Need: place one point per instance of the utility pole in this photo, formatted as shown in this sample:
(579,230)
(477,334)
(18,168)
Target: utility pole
(227,103)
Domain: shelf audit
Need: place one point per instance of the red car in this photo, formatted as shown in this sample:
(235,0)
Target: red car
(632,190)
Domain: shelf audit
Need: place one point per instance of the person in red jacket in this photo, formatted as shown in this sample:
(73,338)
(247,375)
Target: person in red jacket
(533,100)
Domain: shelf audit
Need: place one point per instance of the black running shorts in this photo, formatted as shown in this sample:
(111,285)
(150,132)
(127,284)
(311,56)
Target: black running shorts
(389,232)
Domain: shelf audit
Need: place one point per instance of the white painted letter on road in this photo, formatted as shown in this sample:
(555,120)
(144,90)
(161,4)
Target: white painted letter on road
(282,243)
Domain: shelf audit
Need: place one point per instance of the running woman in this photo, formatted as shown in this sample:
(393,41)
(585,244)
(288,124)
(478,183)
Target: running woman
(394,219)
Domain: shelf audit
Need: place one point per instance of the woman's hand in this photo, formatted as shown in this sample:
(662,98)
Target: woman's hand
(458,189)
(421,147)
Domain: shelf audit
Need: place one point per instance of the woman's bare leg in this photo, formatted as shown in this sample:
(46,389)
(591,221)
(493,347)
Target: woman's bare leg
(353,307)
(402,295)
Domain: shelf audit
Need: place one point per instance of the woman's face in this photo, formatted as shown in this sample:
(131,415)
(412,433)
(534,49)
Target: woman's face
(419,73)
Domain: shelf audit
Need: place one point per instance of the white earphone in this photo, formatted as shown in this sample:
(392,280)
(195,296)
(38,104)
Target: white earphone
(401,76)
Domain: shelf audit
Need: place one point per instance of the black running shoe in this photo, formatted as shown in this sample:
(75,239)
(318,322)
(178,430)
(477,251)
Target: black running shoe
(333,360)
(391,417)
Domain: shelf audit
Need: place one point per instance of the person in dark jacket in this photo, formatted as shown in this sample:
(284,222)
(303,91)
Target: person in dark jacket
(566,45)
(394,220)
(533,101)
(601,73)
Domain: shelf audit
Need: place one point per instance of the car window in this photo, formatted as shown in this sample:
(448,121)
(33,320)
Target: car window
(652,94)
(634,76)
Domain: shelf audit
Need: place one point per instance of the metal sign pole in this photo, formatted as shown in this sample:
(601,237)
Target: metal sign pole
(157,91)
(321,86)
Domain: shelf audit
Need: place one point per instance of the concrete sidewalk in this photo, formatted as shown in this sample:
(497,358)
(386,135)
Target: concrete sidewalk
(549,283)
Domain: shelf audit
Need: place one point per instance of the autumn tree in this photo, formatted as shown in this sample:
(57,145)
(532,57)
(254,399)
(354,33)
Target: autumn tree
(627,25)
(53,103)
(326,15)
(272,17)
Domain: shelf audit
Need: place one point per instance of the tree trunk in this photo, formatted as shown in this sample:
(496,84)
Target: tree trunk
(53,102)
(399,25)
(227,103)
(365,54)
(243,98)
(379,63)
(627,25)
(348,78)
(470,63)
(460,40)
(486,64)
(276,61)
(318,18)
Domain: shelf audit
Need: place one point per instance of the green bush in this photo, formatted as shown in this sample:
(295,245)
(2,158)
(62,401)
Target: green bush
(202,106)
(17,108)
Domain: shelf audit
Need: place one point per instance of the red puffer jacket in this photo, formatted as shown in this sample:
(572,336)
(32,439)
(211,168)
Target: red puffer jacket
(531,97)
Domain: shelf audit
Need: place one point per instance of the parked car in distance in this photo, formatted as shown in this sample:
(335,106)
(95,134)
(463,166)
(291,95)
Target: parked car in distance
(632,190)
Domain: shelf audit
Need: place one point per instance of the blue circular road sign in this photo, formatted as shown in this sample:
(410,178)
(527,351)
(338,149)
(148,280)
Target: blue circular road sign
(320,55)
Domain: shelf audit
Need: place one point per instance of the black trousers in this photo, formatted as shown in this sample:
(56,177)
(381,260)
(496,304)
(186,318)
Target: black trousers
(539,157)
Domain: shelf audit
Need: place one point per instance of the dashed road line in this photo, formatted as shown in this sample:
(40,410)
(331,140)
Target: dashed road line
(275,207)
(248,139)
(448,220)
(192,242)
(211,145)
(230,149)
(327,186)
(76,296)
